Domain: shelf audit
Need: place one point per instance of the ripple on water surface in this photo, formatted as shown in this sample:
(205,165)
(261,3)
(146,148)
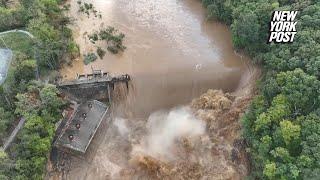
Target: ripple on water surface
(173,53)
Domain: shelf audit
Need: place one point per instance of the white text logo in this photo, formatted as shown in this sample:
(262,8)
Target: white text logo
(283,26)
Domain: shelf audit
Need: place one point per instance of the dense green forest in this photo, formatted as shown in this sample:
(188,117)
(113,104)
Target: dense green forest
(22,96)
(282,125)
(47,22)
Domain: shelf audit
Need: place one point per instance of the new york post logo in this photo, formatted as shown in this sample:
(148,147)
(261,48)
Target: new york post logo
(283,27)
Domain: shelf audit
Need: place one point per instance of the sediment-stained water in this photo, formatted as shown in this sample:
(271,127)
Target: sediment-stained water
(173,53)
(173,56)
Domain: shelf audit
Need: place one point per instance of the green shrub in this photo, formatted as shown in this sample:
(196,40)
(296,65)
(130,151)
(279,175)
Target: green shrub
(113,38)
(101,52)
(88,58)
(73,50)
(281,123)
(12,18)
(88,8)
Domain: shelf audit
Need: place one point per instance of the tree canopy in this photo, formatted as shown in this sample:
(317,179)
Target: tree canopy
(282,123)
(21,96)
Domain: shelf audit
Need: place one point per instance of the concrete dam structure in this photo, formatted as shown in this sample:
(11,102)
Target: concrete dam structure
(97,85)
(85,114)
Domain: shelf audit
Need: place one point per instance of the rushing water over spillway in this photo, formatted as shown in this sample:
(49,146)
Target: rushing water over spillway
(173,53)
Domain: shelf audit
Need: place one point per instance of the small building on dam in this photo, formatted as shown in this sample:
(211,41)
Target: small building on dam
(86,111)
(81,126)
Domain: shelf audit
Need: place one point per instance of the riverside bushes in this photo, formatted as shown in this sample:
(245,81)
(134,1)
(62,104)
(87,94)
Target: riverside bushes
(88,58)
(101,52)
(282,125)
(113,38)
(41,107)
(11,18)
(23,97)
(47,22)
(88,8)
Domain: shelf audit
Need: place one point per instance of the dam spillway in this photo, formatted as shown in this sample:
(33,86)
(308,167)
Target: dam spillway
(97,85)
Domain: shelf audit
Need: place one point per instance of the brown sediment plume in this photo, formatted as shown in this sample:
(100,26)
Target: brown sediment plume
(213,99)
(218,154)
(150,168)
(171,61)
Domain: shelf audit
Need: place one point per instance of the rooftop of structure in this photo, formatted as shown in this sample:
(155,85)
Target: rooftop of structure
(89,119)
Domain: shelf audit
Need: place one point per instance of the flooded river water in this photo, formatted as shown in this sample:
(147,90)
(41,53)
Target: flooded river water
(173,53)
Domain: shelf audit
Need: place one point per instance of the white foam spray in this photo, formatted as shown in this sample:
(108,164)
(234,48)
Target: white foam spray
(164,128)
(120,123)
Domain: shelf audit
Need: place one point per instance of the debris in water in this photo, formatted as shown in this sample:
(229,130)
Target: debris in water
(213,99)
(198,67)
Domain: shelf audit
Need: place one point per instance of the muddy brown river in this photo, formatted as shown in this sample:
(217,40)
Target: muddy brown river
(173,53)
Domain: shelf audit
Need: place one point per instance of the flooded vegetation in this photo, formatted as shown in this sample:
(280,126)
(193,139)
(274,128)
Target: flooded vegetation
(173,53)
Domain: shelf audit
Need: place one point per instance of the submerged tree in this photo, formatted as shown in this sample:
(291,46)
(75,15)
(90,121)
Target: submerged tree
(113,38)
(88,58)
(101,52)
(88,8)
